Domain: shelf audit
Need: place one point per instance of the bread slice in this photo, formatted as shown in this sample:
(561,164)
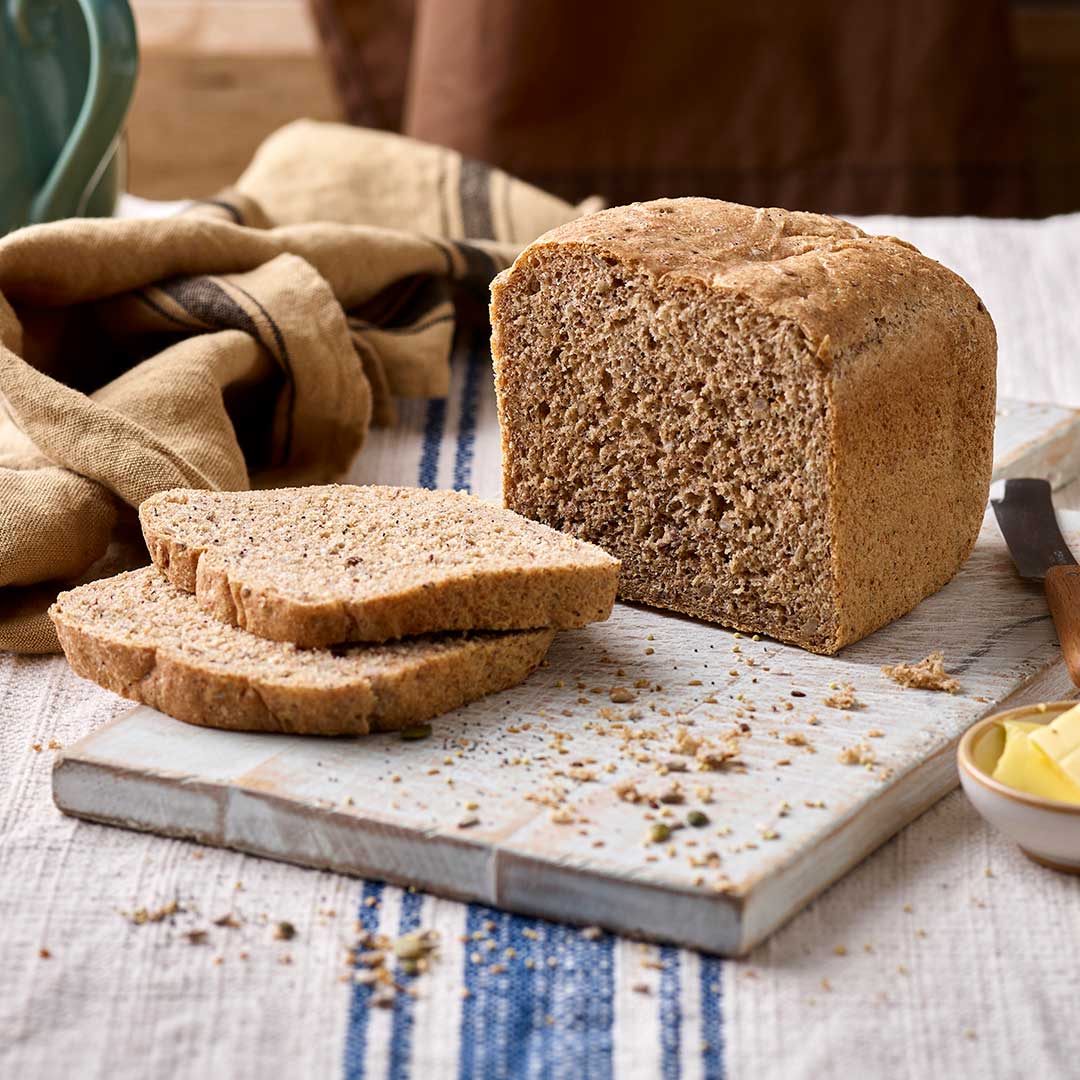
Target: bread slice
(141,637)
(775,421)
(322,565)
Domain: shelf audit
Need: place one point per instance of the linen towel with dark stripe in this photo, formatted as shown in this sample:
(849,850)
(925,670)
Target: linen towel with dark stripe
(251,340)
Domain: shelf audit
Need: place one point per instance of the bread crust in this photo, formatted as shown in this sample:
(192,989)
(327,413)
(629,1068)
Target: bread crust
(907,355)
(824,274)
(572,592)
(162,676)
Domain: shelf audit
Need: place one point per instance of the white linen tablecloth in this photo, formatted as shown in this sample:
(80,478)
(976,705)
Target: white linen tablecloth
(945,953)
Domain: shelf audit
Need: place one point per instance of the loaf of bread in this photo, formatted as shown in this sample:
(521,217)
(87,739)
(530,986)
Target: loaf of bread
(141,637)
(321,565)
(775,421)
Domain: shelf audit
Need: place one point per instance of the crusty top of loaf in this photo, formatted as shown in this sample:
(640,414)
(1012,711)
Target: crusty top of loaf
(825,274)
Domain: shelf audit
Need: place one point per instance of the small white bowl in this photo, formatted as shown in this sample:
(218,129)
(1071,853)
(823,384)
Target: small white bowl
(1047,831)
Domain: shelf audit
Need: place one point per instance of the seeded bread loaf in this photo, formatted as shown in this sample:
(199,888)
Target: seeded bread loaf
(775,421)
(139,636)
(321,565)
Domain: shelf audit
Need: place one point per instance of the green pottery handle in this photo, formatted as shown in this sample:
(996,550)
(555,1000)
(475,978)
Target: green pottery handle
(90,146)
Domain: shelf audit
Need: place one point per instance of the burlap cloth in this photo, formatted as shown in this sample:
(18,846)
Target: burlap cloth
(251,340)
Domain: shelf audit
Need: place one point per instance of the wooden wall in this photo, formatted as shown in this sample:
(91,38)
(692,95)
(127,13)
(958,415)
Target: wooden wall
(217,76)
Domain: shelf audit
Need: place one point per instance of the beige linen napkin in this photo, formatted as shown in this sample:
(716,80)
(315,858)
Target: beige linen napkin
(250,340)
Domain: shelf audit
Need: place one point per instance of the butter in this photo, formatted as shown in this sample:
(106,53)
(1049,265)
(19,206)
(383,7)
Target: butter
(1060,742)
(1024,765)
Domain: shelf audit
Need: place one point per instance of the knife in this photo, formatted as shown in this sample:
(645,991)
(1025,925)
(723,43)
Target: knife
(1025,515)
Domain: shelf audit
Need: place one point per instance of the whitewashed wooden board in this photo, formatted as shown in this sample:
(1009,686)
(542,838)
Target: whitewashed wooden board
(1037,440)
(336,803)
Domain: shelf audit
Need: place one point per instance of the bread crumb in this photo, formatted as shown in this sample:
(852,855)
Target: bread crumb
(857,755)
(142,915)
(714,758)
(843,697)
(685,743)
(581,773)
(928,674)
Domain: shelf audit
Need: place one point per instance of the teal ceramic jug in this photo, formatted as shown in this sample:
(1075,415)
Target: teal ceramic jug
(67,72)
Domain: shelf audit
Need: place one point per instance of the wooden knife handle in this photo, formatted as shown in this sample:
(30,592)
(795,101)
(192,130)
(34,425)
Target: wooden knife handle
(1063,594)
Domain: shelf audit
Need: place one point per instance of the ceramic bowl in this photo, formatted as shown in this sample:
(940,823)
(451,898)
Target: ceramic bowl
(1047,831)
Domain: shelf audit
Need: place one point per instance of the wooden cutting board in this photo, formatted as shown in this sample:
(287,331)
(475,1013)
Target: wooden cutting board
(514,801)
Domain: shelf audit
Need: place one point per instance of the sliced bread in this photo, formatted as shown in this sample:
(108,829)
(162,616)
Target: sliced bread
(322,565)
(776,421)
(141,637)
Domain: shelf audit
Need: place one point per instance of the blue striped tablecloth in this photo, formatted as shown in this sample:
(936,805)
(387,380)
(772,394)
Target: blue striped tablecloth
(565,1004)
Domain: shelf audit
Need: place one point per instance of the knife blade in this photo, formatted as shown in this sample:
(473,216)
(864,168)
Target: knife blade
(1025,514)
